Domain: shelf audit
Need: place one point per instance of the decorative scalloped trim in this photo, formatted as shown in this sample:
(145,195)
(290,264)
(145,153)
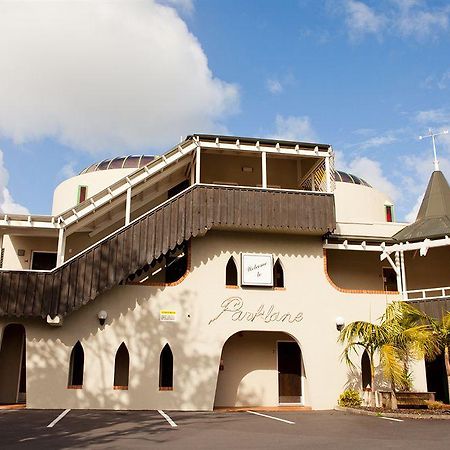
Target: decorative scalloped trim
(351,291)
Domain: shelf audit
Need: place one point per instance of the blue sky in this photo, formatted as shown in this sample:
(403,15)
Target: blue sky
(97,79)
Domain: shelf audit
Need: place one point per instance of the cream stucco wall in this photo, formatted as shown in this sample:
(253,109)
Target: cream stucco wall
(359,204)
(201,329)
(66,193)
(12,244)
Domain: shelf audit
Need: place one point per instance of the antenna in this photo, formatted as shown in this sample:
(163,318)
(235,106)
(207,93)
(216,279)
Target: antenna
(433,138)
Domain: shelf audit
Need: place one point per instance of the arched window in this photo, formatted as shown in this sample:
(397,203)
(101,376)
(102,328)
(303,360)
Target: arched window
(231,277)
(365,370)
(278,274)
(76,368)
(121,367)
(166,369)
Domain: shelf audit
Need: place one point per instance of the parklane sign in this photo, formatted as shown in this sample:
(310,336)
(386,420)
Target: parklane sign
(234,308)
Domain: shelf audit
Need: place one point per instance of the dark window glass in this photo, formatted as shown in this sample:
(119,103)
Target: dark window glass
(43,261)
(116,163)
(104,164)
(365,371)
(345,177)
(389,216)
(231,276)
(389,279)
(145,160)
(278,274)
(122,366)
(131,162)
(76,369)
(82,193)
(178,188)
(166,368)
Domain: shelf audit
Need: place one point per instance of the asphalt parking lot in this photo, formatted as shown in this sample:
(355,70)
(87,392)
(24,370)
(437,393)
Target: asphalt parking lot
(213,430)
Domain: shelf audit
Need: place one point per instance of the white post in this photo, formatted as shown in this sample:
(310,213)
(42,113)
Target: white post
(264,169)
(61,247)
(328,173)
(128,207)
(399,277)
(402,263)
(197,165)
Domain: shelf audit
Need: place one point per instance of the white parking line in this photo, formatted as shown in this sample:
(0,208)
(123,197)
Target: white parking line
(391,418)
(166,416)
(271,417)
(52,424)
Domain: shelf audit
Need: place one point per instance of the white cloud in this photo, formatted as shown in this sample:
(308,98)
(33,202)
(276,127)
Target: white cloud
(67,171)
(274,86)
(7,203)
(418,21)
(433,116)
(183,5)
(361,19)
(377,141)
(404,18)
(105,76)
(370,170)
(293,128)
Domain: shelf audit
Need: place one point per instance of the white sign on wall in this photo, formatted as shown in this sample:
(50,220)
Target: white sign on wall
(167,316)
(256,269)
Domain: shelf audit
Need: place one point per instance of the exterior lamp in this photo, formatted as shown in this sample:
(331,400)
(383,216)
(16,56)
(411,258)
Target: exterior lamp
(102,315)
(340,323)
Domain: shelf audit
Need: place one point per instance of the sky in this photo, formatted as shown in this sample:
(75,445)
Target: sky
(82,80)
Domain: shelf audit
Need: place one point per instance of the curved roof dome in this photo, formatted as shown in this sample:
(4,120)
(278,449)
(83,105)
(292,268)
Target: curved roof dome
(120,162)
(345,177)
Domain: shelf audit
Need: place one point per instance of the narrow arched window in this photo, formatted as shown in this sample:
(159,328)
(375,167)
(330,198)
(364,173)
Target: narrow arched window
(231,276)
(166,369)
(278,274)
(76,368)
(121,367)
(365,371)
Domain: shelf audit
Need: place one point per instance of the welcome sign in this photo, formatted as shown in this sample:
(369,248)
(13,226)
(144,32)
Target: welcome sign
(256,269)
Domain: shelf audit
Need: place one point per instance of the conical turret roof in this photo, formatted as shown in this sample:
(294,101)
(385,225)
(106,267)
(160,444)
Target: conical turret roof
(433,219)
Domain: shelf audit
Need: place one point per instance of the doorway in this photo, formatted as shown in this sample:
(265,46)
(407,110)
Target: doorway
(13,365)
(289,373)
(437,378)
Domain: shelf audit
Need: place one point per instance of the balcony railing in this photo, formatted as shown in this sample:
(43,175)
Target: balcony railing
(428,294)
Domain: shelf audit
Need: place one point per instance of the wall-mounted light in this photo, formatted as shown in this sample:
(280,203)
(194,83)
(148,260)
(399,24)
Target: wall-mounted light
(102,315)
(247,169)
(340,323)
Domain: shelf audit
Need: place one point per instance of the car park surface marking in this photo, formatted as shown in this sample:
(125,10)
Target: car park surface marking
(54,422)
(166,416)
(272,417)
(391,418)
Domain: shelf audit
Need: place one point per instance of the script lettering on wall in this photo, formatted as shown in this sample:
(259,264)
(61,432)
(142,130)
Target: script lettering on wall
(234,309)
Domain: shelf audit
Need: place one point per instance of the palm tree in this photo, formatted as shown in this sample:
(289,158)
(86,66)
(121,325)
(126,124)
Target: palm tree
(402,334)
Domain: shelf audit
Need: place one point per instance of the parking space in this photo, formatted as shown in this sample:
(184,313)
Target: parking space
(217,430)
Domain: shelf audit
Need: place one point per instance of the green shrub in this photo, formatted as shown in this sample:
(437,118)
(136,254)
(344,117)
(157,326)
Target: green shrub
(350,398)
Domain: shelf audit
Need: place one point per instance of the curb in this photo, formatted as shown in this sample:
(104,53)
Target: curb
(362,412)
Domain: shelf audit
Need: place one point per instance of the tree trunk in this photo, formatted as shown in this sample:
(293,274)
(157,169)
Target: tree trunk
(447,365)
(372,401)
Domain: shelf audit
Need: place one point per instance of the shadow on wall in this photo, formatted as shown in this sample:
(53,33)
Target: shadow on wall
(133,319)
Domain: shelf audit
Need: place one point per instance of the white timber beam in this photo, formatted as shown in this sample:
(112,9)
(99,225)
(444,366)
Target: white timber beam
(61,247)
(264,170)
(128,207)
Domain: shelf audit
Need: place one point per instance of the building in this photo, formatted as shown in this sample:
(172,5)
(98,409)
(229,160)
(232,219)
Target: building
(217,274)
